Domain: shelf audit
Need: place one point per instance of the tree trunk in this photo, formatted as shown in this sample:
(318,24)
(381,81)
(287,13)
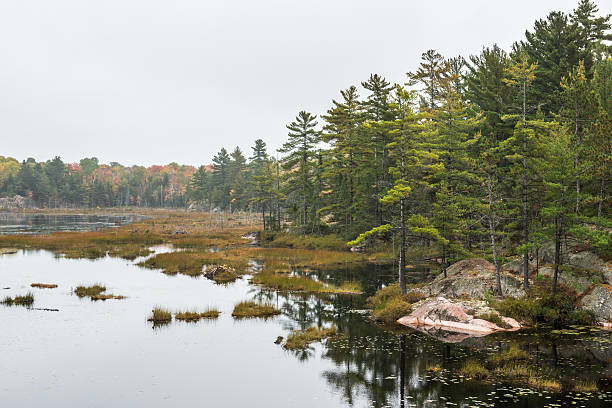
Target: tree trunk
(263,215)
(492,233)
(557,253)
(524,182)
(402,257)
(601,199)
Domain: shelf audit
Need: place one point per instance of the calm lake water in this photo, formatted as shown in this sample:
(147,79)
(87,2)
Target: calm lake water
(102,354)
(26,223)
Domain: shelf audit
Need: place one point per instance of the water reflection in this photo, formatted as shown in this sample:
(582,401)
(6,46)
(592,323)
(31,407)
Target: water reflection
(107,349)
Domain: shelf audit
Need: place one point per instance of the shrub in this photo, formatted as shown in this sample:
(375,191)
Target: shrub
(558,311)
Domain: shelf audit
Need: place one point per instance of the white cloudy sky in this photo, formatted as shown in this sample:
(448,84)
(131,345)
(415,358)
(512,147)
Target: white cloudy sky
(156,81)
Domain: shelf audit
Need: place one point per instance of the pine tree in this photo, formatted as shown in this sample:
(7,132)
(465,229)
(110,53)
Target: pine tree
(220,179)
(298,165)
(430,74)
(348,161)
(376,109)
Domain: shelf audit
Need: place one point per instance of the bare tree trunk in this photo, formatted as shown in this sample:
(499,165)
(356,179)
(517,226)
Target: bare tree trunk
(557,253)
(601,199)
(492,233)
(402,257)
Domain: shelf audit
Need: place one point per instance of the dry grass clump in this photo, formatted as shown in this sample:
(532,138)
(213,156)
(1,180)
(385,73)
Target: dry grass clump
(432,367)
(160,315)
(473,369)
(193,316)
(300,339)
(44,285)
(303,284)
(93,290)
(253,309)
(25,300)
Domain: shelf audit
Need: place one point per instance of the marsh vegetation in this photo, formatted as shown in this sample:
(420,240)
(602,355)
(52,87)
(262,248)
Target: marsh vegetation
(23,300)
(254,309)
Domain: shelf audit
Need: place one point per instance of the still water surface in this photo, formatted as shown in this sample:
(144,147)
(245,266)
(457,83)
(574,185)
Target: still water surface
(28,223)
(103,354)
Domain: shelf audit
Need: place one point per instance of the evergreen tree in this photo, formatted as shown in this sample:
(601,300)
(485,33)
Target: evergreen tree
(298,165)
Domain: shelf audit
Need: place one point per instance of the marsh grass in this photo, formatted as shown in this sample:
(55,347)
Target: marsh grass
(94,290)
(226,276)
(303,284)
(107,297)
(432,367)
(474,369)
(25,300)
(520,373)
(44,285)
(301,339)
(130,252)
(253,309)
(160,315)
(131,240)
(392,310)
(193,316)
(585,386)
(389,304)
(514,353)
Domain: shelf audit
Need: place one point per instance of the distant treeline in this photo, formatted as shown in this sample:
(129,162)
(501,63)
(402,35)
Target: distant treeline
(90,184)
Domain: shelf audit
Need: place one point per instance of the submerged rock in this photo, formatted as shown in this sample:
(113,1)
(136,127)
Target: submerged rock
(599,301)
(453,321)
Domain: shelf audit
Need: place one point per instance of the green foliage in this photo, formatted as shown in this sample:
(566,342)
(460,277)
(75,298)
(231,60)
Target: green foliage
(558,311)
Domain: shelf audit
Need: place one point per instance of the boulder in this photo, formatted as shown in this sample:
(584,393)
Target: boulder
(599,301)
(574,254)
(472,279)
(567,278)
(441,314)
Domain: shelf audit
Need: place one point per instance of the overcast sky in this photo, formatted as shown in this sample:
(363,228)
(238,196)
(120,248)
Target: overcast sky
(152,82)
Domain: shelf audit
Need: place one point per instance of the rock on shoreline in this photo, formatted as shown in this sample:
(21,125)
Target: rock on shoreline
(436,315)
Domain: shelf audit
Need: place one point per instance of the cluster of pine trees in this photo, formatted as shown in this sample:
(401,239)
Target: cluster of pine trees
(504,148)
(90,184)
